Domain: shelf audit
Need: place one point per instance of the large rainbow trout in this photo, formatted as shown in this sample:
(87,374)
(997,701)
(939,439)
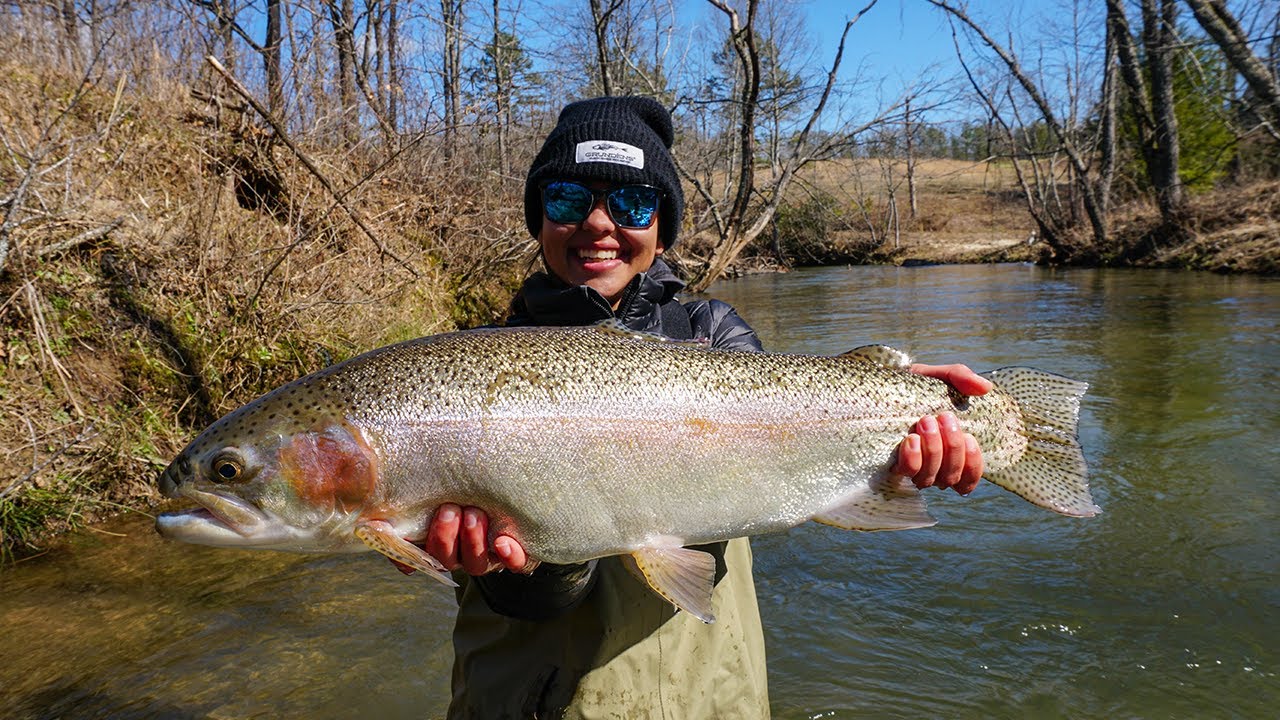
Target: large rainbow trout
(594,441)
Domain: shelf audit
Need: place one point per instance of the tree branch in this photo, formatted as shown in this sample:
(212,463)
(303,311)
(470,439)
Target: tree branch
(306,162)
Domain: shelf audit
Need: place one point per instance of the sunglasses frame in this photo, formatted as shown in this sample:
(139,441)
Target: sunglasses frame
(596,195)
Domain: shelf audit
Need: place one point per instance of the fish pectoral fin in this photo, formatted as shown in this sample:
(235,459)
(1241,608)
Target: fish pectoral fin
(381,536)
(880,355)
(888,502)
(683,576)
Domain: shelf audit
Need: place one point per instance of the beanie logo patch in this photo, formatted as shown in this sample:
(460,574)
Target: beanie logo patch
(610,151)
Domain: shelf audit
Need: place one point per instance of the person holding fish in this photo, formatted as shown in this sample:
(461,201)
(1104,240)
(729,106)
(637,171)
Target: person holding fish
(604,201)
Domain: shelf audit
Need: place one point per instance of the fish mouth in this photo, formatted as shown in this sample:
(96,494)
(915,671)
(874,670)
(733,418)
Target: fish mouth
(221,519)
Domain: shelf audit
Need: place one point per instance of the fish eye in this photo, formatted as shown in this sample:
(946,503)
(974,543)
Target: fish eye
(227,467)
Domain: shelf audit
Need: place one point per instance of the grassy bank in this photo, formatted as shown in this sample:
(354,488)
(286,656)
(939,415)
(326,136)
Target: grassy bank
(169,260)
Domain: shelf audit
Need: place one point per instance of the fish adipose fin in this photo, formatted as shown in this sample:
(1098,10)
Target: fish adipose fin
(880,355)
(381,536)
(888,502)
(683,576)
(1052,472)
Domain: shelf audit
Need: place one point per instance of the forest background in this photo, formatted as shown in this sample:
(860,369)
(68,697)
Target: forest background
(201,199)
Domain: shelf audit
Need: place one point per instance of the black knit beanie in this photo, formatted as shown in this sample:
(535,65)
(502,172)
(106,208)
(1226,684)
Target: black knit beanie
(616,140)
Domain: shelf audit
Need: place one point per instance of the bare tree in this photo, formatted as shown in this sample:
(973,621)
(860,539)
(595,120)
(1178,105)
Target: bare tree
(342,14)
(451,80)
(908,132)
(1225,30)
(600,16)
(742,219)
(271,59)
(1159,33)
(1078,158)
(394,84)
(1152,108)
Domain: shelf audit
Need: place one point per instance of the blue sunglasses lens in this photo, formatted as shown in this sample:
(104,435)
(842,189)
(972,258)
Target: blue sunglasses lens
(631,206)
(566,203)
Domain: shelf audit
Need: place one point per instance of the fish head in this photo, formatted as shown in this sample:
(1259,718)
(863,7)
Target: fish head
(285,472)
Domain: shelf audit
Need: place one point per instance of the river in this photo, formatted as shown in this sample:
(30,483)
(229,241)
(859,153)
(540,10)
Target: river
(1167,605)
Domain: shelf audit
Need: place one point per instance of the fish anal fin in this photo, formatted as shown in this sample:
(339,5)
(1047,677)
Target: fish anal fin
(880,355)
(888,502)
(684,577)
(381,536)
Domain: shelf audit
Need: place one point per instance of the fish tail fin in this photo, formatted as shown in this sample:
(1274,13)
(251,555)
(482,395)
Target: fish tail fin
(1051,472)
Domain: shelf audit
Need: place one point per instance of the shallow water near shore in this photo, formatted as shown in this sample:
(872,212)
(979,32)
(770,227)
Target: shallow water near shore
(1163,606)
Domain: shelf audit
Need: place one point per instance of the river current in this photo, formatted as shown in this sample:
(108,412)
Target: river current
(1167,605)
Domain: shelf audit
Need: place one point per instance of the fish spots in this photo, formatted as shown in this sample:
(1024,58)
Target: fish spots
(512,382)
(330,468)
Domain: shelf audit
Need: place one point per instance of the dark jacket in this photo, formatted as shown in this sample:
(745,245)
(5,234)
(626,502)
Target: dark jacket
(591,640)
(545,300)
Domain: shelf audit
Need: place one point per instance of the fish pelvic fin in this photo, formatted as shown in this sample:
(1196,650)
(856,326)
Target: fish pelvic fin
(880,355)
(889,502)
(683,576)
(1051,472)
(381,536)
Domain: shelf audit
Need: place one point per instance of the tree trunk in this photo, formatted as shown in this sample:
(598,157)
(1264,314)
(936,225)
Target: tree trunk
(393,63)
(1107,111)
(342,16)
(501,85)
(600,24)
(451,18)
(1158,36)
(732,237)
(271,60)
(224,13)
(735,232)
(71,33)
(909,132)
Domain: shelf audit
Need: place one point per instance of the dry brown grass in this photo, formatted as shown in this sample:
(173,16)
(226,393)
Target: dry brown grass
(1233,229)
(115,349)
(965,212)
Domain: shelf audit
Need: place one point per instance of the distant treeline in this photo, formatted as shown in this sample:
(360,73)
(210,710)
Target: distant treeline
(1098,106)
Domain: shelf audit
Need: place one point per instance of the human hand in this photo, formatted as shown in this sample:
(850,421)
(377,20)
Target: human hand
(457,537)
(936,453)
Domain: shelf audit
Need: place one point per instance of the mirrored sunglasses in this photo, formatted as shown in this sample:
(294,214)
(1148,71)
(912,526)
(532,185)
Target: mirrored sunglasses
(630,206)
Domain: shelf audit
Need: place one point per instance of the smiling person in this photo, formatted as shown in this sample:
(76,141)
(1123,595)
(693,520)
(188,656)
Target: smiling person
(591,640)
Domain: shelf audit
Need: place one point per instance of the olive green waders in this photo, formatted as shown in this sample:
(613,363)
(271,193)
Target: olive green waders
(622,653)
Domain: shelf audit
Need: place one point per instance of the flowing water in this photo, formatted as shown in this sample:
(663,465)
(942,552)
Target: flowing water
(1167,605)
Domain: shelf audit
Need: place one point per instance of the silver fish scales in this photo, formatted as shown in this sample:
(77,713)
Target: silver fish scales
(594,441)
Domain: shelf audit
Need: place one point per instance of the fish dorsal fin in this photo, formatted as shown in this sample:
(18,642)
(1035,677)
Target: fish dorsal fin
(888,502)
(614,326)
(381,536)
(683,576)
(880,355)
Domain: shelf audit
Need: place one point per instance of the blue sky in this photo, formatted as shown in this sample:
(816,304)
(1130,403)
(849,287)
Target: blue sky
(903,41)
(897,38)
